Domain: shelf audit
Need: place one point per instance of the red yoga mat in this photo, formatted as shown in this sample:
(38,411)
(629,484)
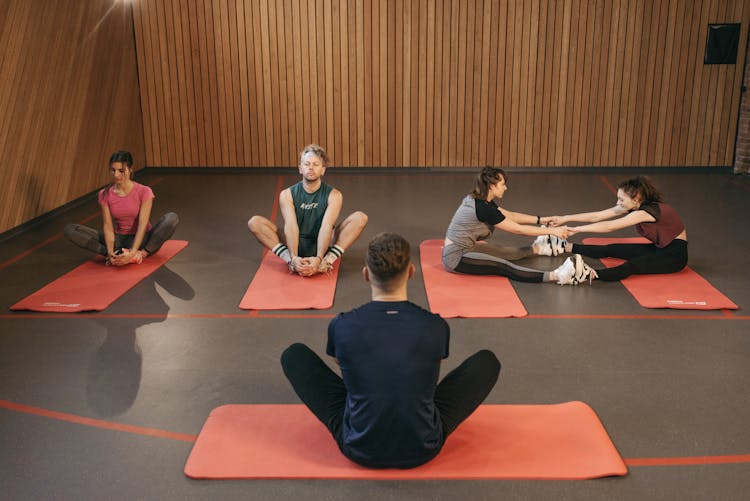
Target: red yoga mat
(562,441)
(469,296)
(684,290)
(274,288)
(94,286)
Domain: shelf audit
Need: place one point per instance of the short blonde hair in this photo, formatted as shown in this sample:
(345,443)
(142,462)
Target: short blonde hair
(315,150)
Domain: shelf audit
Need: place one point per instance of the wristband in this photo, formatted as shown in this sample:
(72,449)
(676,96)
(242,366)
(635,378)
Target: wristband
(538,220)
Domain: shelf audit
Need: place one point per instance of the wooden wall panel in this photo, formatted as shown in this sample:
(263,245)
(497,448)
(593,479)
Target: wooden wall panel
(437,83)
(69,97)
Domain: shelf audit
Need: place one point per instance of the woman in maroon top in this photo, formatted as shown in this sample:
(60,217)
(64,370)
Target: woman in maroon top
(127,235)
(639,204)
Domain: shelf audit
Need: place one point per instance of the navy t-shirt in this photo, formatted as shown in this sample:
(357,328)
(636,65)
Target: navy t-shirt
(389,354)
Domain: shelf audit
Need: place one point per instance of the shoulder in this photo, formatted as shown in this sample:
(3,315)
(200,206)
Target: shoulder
(428,315)
(293,189)
(287,194)
(652,208)
(488,212)
(345,317)
(333,194)
(144,192)
(103,194)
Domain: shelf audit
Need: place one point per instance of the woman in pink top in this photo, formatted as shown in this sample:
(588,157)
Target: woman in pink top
(639,204)
(127,236)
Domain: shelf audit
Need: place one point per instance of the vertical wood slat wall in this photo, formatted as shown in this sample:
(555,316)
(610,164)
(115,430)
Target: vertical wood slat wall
(437,83)
(68,98)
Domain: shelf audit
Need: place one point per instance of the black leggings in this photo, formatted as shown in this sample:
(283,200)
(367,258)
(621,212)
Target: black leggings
(474,263)
(93,240)
(484,258)
(640,259)
(323,391)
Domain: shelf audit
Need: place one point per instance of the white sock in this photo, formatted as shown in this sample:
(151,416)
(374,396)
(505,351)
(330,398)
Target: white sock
(334,252)
(282,251)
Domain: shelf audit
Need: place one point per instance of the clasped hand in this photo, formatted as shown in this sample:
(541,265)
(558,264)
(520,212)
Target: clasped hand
(306,266)
(125,257)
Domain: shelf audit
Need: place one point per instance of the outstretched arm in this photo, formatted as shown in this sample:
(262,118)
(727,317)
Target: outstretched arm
(529,230)
(521,218)
(633,218)
(584,217)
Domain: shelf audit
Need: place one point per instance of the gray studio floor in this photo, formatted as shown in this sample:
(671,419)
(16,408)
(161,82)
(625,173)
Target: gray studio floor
(665,383)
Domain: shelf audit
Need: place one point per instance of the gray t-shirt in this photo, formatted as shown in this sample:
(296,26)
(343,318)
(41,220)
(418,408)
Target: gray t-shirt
(475,219)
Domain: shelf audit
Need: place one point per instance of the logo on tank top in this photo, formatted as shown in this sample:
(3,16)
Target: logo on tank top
(305,206)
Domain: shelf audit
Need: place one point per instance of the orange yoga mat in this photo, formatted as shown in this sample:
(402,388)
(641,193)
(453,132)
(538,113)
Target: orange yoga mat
(562,441)
(274,288)
(469,296)
(94,286)
(684,290)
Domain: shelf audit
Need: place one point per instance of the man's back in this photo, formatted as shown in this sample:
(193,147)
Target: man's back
(389,353)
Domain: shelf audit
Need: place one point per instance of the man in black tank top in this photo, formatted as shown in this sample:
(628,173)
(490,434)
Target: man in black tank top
(311,241)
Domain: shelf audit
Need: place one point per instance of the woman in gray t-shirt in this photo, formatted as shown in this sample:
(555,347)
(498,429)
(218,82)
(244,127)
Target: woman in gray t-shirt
(466,251)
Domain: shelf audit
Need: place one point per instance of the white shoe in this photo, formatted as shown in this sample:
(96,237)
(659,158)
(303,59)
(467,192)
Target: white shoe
(557,245)
(550,245)
(583,271)
(565,272)
(543,246)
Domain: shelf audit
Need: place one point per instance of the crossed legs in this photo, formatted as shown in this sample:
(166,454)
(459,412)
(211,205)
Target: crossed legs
(459,393)
(90,239)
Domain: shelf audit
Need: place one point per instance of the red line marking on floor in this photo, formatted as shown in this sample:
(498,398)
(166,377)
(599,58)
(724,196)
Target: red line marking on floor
(690,460)
(608,185)
(639,317)
(184,437)
(728,313)
(261,314)
(275,208)
(96,423)
(27,252)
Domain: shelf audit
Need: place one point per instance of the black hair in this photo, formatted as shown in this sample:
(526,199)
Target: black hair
(121,156)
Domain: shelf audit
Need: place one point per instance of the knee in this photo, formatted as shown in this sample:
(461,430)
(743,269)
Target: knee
(360,218)
(254,223)
(171,219)
(291,356)
(69,230)
(489,361)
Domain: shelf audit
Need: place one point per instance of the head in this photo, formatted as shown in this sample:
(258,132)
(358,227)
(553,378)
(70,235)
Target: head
(636,191)
(313,161)
(121,165)
(490,181)
(388,261)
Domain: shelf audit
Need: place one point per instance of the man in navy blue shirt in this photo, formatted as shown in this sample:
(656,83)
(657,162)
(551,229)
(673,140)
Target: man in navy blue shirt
(389,411)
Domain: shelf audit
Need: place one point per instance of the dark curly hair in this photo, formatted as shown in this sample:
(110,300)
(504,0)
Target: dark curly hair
(640,187)
(388,256)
